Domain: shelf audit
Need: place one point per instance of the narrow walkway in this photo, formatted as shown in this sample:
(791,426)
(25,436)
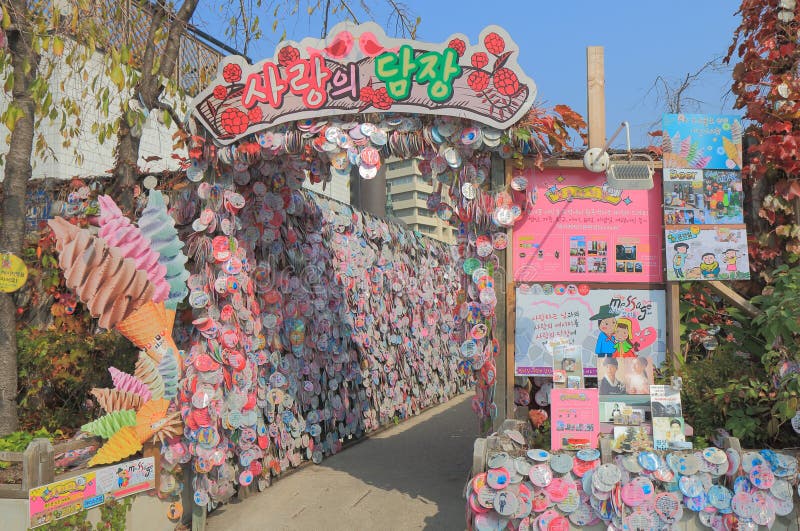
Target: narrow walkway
(407,477)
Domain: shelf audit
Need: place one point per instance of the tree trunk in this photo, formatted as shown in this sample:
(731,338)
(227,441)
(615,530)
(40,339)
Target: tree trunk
(148,91)
(17,173)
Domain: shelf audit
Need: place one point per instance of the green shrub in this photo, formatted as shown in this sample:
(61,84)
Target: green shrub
(749,383)
(58,367)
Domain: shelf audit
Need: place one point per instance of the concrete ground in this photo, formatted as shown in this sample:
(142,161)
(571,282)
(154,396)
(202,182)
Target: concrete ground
(407,477)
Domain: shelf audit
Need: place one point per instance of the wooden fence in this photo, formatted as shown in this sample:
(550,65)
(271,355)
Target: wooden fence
(38,465)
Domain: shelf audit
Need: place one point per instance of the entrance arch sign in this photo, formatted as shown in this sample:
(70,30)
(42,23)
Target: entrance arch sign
(358,69)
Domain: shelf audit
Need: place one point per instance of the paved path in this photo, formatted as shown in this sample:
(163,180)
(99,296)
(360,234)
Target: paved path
(407,477)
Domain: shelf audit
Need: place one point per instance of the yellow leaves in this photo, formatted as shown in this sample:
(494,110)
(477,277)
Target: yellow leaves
(58,46)
(788,231)
(9,84)
(166,118)
(6,18)
(117,77)
(11,116)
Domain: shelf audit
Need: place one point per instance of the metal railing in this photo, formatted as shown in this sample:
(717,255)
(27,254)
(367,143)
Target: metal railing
(128,22)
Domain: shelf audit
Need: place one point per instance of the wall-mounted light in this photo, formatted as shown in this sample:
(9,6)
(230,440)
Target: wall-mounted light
(624,172)
(632,172)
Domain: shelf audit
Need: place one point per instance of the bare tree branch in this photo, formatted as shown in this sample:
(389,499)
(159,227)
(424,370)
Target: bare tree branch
(246,25)
(325,19)
(346,6)
(674,94)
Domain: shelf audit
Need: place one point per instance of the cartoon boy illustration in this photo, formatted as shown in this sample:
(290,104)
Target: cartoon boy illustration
(710,267)
(608,324)
(729,257)
(679,260)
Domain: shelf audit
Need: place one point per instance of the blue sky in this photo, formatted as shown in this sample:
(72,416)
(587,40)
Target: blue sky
(642,40)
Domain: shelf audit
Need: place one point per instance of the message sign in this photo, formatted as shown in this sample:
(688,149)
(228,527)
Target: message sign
(579,229)
(601,322)
(125,479)
(359,69)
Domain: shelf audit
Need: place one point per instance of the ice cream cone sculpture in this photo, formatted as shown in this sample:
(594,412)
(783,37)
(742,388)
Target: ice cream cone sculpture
(122,444)
(131,279)
(118,231)
(127,430)
(109,284)
(148,328)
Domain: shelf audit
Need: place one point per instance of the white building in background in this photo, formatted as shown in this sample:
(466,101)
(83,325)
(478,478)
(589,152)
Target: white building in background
(407,193)
(338,189)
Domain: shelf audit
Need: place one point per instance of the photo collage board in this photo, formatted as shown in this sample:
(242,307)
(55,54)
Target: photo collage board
(705,236)
(596,350)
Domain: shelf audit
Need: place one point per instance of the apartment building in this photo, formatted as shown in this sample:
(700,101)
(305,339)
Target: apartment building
(407,193)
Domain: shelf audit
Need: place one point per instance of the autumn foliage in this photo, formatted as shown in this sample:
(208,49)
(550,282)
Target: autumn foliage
(767,88)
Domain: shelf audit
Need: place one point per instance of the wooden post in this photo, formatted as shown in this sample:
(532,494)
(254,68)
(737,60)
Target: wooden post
(606,454)
(736,299)
(596,98)
(198,517)
(674,324)
(152,450)
(38,463)
(511,313)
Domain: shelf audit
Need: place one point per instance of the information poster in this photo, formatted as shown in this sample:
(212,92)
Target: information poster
(702,141)
(576,422)
(60,499)
(63,498)
(667,416)
(600,323)
(703,198)
(625,381)
(579,229)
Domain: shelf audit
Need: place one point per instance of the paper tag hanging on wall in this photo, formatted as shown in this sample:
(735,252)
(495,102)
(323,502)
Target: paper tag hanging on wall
(13,273)
(796,422)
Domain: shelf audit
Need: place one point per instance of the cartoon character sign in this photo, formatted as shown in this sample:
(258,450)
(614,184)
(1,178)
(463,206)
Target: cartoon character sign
(600,324)
(707,252)
(607,324)
(622,339)
(619,337)
(679,258)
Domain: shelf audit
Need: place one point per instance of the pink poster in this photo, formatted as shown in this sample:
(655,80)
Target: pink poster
(50,502)
(578,229)
(576,419)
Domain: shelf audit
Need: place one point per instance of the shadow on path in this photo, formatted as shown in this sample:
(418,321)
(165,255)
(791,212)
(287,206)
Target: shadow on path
(410,476)
(429,458)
